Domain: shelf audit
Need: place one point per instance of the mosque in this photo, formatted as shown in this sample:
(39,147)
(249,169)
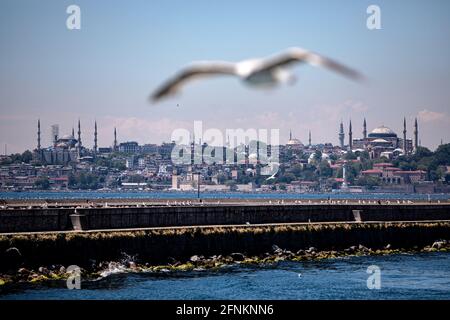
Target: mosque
(381,141)
(66,149)
(295,144)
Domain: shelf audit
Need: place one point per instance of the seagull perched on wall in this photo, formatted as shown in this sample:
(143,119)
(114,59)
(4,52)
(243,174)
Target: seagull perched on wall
(264,72)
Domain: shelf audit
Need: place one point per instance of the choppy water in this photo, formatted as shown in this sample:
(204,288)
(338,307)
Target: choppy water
(211,195)
(418,276)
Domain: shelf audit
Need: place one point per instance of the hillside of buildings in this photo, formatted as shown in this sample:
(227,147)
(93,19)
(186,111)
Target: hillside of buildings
(379,161)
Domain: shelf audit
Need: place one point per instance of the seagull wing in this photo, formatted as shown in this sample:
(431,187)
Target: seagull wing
(300,55)
(194,71)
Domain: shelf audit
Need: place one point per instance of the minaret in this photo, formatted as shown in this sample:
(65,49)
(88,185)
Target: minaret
(79,134)
(350,137)
(115,140)
(290,134)
(73,132)
(405,146)
(364,129)
(309,138)
(39,135)
(341,135)
(95,137)
(416,135)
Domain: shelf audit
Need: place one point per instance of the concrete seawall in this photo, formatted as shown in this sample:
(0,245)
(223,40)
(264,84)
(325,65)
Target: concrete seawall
(64,219)
(159,245)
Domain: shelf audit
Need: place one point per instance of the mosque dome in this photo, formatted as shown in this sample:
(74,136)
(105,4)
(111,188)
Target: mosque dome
(382,132)
(379,140)
(66,137)
(294,142)
(62,145)
(66,141)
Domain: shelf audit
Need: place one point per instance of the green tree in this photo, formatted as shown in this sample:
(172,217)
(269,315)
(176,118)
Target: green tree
(369,182)
(27,156)
(350,156)
(287,177)
(325,169)
(296,170)
(317,156)
(363,155)
(120,165)
(447,178)
(421,152)
(42,183)
(85,181)
(442,155)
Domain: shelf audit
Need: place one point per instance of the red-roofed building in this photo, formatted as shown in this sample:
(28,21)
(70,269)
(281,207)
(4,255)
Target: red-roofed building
(389,174)
(411,176)
(382,165)
(373,173)
(61,182)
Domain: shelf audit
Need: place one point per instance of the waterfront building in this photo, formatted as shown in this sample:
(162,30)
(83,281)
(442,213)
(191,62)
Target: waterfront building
(388,174)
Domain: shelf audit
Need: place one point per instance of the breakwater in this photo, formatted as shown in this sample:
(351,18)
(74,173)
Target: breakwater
(164,245)
(154,216)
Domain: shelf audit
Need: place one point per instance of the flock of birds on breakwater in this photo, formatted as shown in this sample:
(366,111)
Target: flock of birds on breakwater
(188,203)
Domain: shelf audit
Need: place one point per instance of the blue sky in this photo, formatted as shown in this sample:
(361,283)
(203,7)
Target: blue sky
(125,49)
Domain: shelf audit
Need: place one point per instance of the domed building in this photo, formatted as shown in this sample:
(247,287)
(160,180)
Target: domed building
(382,132)
(312,157)
(65,149)
(67,141)
(383,141)
(294,144)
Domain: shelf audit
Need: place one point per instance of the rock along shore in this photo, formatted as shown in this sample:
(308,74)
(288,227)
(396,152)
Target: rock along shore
(36,257)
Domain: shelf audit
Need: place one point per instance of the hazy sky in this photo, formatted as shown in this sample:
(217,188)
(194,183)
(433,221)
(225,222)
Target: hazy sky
(125,49)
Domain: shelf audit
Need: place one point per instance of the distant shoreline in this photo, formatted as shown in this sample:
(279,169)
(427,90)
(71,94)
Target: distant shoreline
(173,195)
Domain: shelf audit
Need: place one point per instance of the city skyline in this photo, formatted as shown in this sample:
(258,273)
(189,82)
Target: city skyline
(106,70)
(346,135)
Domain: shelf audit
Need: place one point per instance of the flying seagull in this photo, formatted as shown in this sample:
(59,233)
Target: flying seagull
(265,72)
(274,166)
